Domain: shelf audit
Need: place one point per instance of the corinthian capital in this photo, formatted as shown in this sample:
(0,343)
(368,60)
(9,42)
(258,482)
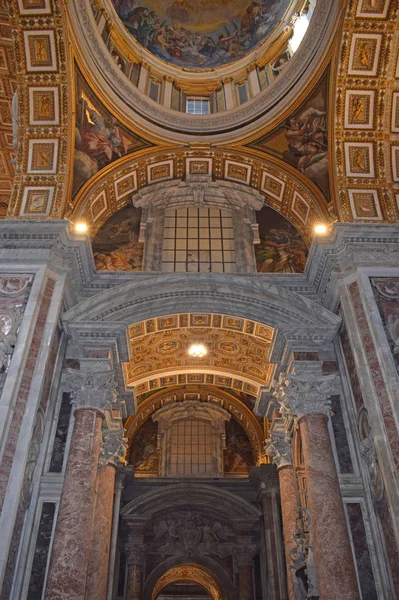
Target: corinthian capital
(114,448)
(278,447)
(301,395)
(92,389)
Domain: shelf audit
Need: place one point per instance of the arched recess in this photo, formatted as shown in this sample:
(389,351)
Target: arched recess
(190,572)
(300,322)
(213,503)
(236,176)
(227,401)
(205,563)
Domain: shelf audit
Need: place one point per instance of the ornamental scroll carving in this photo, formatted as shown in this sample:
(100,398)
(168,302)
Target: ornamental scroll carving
(278,447)
(113,448)
(302,395)
(303,566)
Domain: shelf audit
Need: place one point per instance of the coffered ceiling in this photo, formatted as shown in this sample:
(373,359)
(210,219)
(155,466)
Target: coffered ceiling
(237,353)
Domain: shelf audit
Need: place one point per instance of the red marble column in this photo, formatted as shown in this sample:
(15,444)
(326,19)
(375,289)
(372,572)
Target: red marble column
(278,447)
(307,397)
(289,510)
(134,582)
(334,560)
(97,577)
(72,540)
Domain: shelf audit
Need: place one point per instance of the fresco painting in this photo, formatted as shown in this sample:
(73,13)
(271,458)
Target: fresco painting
(238,455)
(99,137)
(116,246)
(200,33)
(281,248)
(302,140)
(144,455)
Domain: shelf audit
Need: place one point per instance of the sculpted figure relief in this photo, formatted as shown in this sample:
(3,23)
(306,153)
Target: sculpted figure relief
(192,533)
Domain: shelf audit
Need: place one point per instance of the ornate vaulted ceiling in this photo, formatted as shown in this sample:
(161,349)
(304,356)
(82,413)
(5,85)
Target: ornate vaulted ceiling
(238,351)
(204,34)
(363,146)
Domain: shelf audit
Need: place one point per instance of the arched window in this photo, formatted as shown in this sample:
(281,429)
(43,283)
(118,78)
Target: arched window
(198,240)
(191,439)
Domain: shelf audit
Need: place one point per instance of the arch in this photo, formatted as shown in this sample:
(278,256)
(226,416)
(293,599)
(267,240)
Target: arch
(300,322)
(246,175)
(243,414)
(197,496)
(204,562)
(190,572)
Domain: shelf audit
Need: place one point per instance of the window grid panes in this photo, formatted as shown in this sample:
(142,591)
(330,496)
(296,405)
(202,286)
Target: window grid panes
(198,240)
(198,106)
(191,448)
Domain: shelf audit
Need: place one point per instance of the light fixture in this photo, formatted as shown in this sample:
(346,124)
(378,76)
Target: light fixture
(81,227)
(320,229)
(197,350)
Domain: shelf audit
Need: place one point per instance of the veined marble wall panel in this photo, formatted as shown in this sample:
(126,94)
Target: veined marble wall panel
(25,402)
(373,404)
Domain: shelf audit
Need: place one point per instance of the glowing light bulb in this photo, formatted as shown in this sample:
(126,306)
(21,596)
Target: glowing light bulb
(197,350)
(81,227)
(320,229)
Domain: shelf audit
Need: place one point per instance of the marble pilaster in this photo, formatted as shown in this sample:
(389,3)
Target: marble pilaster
(92,394)
(278,447)
(307,398)
(114,449)
(245,572)
(134,583)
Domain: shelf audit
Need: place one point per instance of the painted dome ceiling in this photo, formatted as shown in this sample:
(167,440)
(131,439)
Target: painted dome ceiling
(200,34)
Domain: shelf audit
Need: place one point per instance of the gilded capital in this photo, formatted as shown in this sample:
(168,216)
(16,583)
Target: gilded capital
(278,447)
(304,395)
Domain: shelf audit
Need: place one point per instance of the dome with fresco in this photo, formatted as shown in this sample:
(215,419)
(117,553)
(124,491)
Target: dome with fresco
(203,34)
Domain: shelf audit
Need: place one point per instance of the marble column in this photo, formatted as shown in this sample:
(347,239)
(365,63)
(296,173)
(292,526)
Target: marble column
(278,446)
(92,393)
(307,398)
(114,535)
(135,561)
(245,572)
(114,450)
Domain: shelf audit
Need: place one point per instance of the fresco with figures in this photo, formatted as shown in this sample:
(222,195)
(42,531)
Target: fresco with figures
(281,248)
(144,455)
(238,455)
(116,246)
(200,33)
(99,137)
(302,139)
